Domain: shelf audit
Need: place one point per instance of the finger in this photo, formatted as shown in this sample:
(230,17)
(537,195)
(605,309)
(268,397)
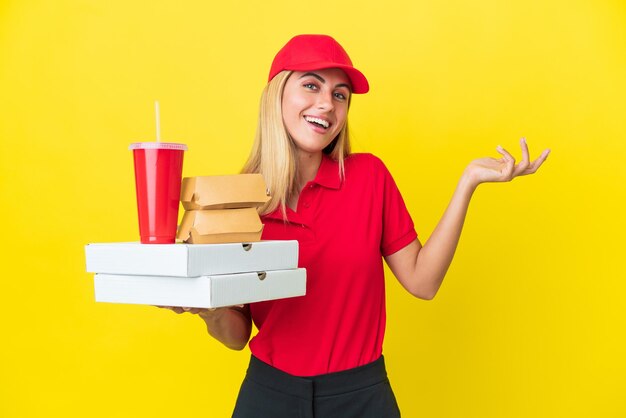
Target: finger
(507,171)
(523,165)
(190,310)
(505,154)
(502,152)
(534,166)
(524,145)
(194,310)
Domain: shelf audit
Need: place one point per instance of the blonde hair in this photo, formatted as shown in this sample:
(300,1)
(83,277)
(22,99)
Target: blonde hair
(274,153)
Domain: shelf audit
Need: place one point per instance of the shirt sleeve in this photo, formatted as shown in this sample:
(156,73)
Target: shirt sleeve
(398,228)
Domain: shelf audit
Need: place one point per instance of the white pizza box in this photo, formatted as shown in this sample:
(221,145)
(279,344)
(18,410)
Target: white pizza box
(200,292)
(190,260)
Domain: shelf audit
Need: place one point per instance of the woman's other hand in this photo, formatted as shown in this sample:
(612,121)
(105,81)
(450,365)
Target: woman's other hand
(485,170)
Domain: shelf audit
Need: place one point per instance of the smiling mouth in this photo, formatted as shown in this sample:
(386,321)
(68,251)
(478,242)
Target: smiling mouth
(320,123)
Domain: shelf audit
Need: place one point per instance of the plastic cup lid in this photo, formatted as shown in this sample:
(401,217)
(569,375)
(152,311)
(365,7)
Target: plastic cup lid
(157,145)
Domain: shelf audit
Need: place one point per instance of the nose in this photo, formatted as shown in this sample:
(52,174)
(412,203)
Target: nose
(325,101)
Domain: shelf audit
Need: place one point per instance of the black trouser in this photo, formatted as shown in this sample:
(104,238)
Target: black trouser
(362,392)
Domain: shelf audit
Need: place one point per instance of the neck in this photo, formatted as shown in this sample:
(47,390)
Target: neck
(308,164)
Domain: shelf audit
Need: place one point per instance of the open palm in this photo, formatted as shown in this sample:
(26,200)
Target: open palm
(489,169)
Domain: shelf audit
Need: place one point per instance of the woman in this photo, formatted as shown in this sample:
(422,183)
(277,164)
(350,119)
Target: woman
(321,355)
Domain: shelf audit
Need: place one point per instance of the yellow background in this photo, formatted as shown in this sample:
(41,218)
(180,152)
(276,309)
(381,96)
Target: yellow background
(530,321)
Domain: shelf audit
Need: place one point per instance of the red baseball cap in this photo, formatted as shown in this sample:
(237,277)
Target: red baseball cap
(317,52)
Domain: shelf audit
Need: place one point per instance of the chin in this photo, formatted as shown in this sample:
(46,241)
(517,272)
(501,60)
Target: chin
(312,148)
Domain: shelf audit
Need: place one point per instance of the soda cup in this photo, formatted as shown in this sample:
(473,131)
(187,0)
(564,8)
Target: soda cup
(158,175)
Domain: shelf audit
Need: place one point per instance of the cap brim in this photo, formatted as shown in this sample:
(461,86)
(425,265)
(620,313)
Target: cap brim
(357,79)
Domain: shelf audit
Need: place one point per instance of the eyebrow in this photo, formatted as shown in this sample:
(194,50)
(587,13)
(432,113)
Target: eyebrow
(324,81)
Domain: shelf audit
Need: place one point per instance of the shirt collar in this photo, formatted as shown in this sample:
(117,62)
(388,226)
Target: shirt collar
(328,173)
(327,176)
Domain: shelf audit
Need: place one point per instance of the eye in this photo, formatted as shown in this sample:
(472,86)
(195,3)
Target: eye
(339,95)
(310,86)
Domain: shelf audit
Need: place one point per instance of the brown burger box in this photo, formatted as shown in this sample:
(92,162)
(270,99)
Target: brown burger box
(220,226)
(223,192)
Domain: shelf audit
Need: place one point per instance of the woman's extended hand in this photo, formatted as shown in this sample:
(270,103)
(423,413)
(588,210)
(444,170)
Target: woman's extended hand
(489,169)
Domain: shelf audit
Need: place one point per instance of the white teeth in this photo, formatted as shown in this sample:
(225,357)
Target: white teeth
(319,121)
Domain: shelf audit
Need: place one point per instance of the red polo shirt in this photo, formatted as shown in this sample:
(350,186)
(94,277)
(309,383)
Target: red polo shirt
(344,228)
